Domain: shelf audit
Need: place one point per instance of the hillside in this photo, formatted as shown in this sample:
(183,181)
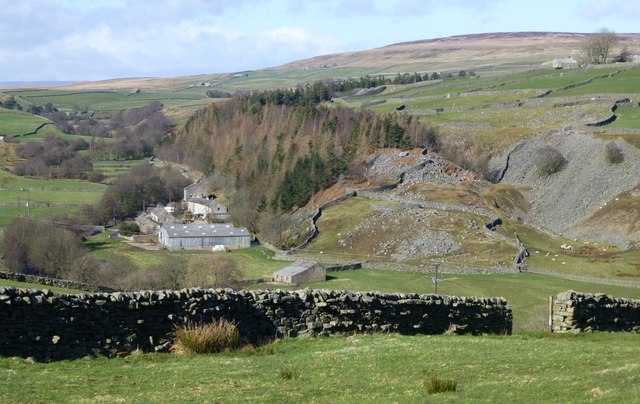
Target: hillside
(490,53)
(278,156)
(476,51)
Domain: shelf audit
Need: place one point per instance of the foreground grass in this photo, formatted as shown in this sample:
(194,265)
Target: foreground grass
(380,368)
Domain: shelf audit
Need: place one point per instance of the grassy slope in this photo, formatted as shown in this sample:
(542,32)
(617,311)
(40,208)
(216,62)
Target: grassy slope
(14,122)
(380,368)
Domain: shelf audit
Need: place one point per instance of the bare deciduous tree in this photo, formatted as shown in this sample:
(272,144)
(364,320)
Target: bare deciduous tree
(597,46)
(213,271)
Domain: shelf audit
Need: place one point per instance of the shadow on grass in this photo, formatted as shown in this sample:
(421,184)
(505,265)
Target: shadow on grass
(98,245)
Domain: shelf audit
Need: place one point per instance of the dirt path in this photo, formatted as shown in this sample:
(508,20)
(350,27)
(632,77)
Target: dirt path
(582,278)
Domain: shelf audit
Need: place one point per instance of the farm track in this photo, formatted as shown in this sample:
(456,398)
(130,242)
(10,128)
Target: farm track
(582,278)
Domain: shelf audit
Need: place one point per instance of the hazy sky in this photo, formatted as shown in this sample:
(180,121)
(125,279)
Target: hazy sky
(99,39)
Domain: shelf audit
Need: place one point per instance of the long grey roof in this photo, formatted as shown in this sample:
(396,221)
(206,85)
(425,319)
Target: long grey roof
(296,268)
(205,230)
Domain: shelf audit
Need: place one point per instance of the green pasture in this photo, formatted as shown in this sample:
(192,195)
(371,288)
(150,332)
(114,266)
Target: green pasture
(10,182)
(14,122)
(41,196)
(585,259)
(106,100)
(9,212)
(287,78)
(561,79)
(113,168)
(45,197)
(628,117)
(382,368)
(416,105)
(627,82)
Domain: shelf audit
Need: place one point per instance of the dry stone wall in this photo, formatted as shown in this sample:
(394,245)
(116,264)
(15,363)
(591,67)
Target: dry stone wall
(578,312)
(43,325)
(55,282)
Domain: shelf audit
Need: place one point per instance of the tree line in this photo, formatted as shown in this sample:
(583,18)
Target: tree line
(272,151)
(55,248)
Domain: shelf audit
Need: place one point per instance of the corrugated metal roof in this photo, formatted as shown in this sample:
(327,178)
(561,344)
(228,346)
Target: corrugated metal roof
(296,268)
(205,230)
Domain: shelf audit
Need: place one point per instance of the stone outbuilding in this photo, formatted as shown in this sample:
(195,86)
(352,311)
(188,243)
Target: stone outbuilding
(205,208)
(565,63)
(300,272)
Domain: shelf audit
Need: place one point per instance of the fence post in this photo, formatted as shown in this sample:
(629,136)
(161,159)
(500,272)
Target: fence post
(550,322)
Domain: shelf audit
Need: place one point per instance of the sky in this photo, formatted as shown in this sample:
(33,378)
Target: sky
(77,40)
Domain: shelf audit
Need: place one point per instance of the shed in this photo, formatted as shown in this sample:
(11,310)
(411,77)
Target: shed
(299,272)
(203,236)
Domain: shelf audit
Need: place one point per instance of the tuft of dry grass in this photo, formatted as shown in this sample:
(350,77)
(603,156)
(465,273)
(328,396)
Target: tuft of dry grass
(205,338)
(436,385)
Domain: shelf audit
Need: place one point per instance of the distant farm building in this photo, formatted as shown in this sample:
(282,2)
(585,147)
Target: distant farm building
(203,236)
(300,272)
(151,220)
(201,203)
(197,190)
(566,63)
(207,208)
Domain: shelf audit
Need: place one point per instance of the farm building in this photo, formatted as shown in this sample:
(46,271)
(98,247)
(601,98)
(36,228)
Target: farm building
(299,272)
(203,236)
(151,220)
(196,190)
(566,63)
(207,208)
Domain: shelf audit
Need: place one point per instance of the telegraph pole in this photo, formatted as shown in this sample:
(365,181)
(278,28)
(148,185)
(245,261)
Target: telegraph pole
(435,279)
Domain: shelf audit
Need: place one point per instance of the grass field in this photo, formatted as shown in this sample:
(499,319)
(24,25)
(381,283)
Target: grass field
(114,168)
(627,82)
(45,197)
(106,100)
(377,369)
(14,122)
(628,117)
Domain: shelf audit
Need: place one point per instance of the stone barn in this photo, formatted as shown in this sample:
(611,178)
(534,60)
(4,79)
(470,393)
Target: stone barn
(565,63)
(300,272)
(203,236)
